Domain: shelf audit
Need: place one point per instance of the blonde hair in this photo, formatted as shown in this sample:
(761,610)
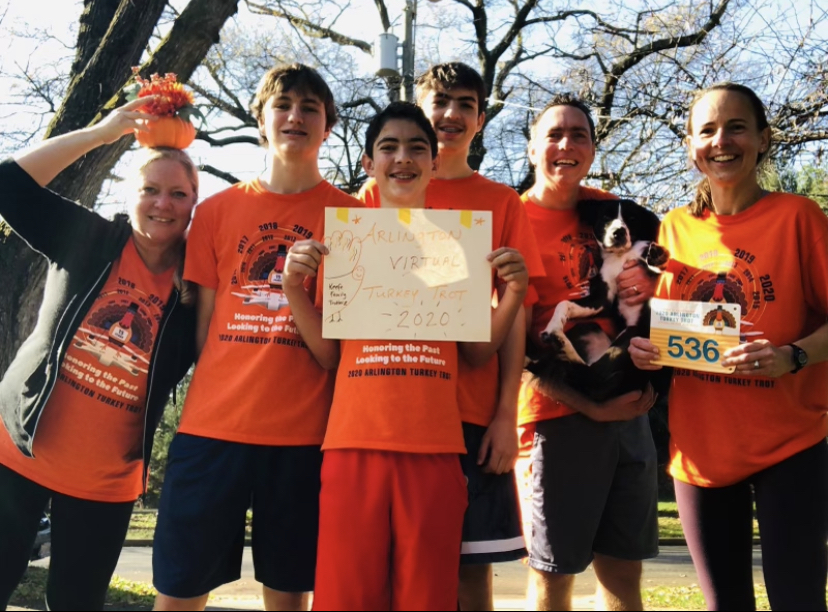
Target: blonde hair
(147,156)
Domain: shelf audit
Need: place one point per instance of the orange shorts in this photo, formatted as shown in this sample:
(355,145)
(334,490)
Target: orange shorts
(390,528)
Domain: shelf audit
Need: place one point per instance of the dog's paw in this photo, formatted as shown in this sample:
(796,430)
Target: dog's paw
(657,256)
(562,345)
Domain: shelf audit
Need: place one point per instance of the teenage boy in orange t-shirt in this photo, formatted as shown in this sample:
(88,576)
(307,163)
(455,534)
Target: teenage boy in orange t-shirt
(453,97)
(257,407)
(393,493)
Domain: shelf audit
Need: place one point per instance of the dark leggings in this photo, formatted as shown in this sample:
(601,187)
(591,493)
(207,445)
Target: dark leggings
(87,537)
(792,510)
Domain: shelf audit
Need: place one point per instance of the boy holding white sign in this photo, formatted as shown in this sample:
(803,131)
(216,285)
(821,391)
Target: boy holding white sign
(393,497)
(453,97)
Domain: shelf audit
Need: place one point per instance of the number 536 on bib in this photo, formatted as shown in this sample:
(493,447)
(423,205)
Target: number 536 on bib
(694,335)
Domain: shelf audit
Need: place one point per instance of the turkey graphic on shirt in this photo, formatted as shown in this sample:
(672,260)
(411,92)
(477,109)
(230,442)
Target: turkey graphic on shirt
(111,346)
(265,270)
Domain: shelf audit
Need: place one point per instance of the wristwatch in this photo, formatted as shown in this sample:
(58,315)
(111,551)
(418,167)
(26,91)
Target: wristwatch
(800,358)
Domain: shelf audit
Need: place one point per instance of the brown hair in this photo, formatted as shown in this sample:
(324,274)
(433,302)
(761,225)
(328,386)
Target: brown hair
(449,76)
(703,198)
(565,99)
(292,77)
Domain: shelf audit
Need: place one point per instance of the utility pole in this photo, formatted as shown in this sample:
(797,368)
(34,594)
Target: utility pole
(410,18)
(398,71)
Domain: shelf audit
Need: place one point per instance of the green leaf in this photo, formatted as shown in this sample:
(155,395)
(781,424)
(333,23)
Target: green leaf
(188,112)
(131,91)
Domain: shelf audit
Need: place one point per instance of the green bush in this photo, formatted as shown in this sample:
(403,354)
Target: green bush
(166,430)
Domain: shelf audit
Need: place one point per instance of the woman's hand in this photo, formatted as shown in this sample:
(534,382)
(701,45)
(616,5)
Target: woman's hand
(124,120)
(643,353)
(303,261)
(760,358)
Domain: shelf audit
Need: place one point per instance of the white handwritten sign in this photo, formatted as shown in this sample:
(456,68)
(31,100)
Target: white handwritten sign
(406,274)
(694,335)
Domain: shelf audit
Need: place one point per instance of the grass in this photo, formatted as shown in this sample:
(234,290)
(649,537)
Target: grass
(122,594)
(690,598)
(669,525)
(131,595)
(142,525)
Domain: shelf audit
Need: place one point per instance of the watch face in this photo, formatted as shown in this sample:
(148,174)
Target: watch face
(801,357)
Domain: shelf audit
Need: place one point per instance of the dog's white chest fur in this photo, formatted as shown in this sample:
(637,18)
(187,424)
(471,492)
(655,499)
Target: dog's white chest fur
(613,266)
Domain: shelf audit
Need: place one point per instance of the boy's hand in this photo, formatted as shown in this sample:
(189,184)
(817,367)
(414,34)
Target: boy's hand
(511,269)
(500,443)
(302,262)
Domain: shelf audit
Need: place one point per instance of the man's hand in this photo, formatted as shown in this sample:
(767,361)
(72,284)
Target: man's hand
(624,407)
(500,443)
(635,286)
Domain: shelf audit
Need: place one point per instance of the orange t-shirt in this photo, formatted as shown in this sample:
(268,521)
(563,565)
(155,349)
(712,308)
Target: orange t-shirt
(772,259)
(478,388)
(398,395)
(255,382)
(89,439)
(569,253)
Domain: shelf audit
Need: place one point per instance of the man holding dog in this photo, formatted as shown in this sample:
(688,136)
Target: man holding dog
(593,465)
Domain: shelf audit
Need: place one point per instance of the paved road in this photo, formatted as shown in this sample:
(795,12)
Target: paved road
(672,568)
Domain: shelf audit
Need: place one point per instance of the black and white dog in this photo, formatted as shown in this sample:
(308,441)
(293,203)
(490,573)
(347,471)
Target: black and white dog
(585,357)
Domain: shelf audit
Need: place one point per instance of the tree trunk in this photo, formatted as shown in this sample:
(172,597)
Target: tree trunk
(93,91)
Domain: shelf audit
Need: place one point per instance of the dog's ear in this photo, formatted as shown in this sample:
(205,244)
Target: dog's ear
(650,224)
(645,221)
(589,211)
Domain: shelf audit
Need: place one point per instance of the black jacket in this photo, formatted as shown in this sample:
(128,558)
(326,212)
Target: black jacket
(80,246)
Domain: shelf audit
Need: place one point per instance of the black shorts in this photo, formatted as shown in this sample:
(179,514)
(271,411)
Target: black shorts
(492,531)
(594,490)
(87,537)
(208,488)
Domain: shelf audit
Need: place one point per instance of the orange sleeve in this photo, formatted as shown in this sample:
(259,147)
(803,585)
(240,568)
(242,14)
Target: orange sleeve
(518,234)
(369,194)
(201,263)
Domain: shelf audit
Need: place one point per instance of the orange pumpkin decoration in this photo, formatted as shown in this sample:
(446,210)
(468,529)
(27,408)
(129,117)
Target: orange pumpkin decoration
(173,132)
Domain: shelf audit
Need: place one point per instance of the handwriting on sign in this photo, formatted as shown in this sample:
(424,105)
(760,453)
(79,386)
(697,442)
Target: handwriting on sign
(406,274)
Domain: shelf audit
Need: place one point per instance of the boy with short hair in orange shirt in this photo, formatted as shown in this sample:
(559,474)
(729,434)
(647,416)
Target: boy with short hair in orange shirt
(257,407)
(393,494)
(453,98)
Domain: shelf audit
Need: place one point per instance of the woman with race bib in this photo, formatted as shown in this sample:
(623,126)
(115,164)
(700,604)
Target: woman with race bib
(758,433)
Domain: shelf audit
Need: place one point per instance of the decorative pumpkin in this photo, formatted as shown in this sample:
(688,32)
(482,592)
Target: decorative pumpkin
(173,132)
(173,106)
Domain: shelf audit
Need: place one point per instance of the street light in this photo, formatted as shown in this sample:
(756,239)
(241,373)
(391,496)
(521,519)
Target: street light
(388,62)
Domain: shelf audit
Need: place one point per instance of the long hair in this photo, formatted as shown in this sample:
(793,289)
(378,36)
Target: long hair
(704,198)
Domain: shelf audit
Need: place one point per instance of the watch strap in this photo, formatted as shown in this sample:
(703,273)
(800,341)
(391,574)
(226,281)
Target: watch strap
(800,358)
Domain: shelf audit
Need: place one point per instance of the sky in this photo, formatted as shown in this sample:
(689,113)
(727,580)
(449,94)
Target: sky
(60,23)
(26,17)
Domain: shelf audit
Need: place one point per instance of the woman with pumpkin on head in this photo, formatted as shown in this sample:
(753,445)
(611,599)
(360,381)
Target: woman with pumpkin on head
(115,333)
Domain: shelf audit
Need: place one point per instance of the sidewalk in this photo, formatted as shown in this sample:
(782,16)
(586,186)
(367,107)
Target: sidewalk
(672,568)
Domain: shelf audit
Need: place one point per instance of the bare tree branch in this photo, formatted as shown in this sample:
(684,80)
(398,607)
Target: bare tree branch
(309,28)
